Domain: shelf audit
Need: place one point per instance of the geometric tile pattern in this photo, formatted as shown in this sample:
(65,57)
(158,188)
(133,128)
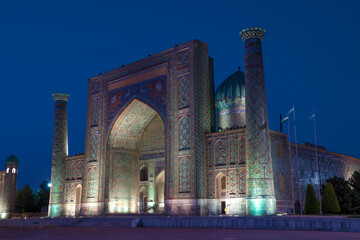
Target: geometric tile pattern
(184,176)
(183,59)
(220,152)
(232,183)
(242,149)
(93,146)
(184,92)
(73,170)
(242,180)
(282,173)
(91,183)
(79,171)
(95,113)
(122,172)
(232,151)
(184,133)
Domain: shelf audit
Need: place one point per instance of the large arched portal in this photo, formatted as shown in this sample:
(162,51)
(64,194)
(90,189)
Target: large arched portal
(136,151)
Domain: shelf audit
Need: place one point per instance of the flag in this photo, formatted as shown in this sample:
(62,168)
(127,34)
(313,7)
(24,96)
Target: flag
(312,116)
(285,119)
(291,111)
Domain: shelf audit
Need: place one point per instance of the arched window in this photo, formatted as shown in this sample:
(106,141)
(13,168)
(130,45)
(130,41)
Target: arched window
(223,182)
(13,170)
(144,174)
(7,170)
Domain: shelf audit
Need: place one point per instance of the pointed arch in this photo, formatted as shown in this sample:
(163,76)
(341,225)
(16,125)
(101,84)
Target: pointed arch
(143,173)
(221,185)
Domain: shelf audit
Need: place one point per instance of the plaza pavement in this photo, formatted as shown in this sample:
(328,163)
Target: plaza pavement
(73,233)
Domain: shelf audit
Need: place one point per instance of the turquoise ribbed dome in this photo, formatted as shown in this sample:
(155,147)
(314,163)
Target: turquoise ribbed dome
(230,102)
(233,87)
(12,160)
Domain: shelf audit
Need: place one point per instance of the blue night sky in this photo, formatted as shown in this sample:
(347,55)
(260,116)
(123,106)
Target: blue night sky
(311,58)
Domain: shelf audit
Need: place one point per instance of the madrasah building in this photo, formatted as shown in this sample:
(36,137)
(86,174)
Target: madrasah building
(153,144)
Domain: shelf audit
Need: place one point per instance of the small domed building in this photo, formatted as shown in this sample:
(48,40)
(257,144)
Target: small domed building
(8,179)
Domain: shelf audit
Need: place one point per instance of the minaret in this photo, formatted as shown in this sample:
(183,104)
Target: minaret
(60,152)
(9,190)
(260,185)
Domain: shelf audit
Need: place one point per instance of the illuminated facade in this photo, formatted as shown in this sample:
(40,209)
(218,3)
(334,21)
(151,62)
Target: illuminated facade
(152,146)
(8,180)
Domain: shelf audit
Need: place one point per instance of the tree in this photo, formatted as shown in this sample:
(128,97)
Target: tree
(24,201)
(312,205)
(343,193)
(329,201)
(42,196)
(18,208)
(354,183)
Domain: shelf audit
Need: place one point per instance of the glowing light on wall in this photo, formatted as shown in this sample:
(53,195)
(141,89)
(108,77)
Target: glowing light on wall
(123,206)
(261,206)
(54,210)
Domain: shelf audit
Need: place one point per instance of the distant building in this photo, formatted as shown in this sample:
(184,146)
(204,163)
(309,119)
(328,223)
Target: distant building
(8,180)
(152,143)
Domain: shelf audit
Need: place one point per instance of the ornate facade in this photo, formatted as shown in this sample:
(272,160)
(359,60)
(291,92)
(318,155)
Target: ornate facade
(152,146)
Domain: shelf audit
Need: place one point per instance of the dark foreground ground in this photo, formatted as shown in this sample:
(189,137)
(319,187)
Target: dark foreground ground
(61,233)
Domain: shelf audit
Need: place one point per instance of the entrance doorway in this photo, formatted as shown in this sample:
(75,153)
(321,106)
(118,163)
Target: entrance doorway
(137,157)
(223,206)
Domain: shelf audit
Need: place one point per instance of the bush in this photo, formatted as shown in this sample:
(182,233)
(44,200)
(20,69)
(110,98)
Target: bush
(329,201)
(312,205)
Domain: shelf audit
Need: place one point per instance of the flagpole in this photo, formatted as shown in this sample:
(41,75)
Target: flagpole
(292,185)
(297,158)
(317,161)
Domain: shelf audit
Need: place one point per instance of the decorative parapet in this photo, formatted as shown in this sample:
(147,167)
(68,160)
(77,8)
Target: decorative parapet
(61,97)
(252,32)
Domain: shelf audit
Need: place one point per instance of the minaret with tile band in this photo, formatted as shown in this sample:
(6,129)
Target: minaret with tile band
(60,152)
(260,185)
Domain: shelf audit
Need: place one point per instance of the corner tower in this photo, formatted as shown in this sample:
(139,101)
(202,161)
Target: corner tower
(260,186)
(59,153)
(9,186)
